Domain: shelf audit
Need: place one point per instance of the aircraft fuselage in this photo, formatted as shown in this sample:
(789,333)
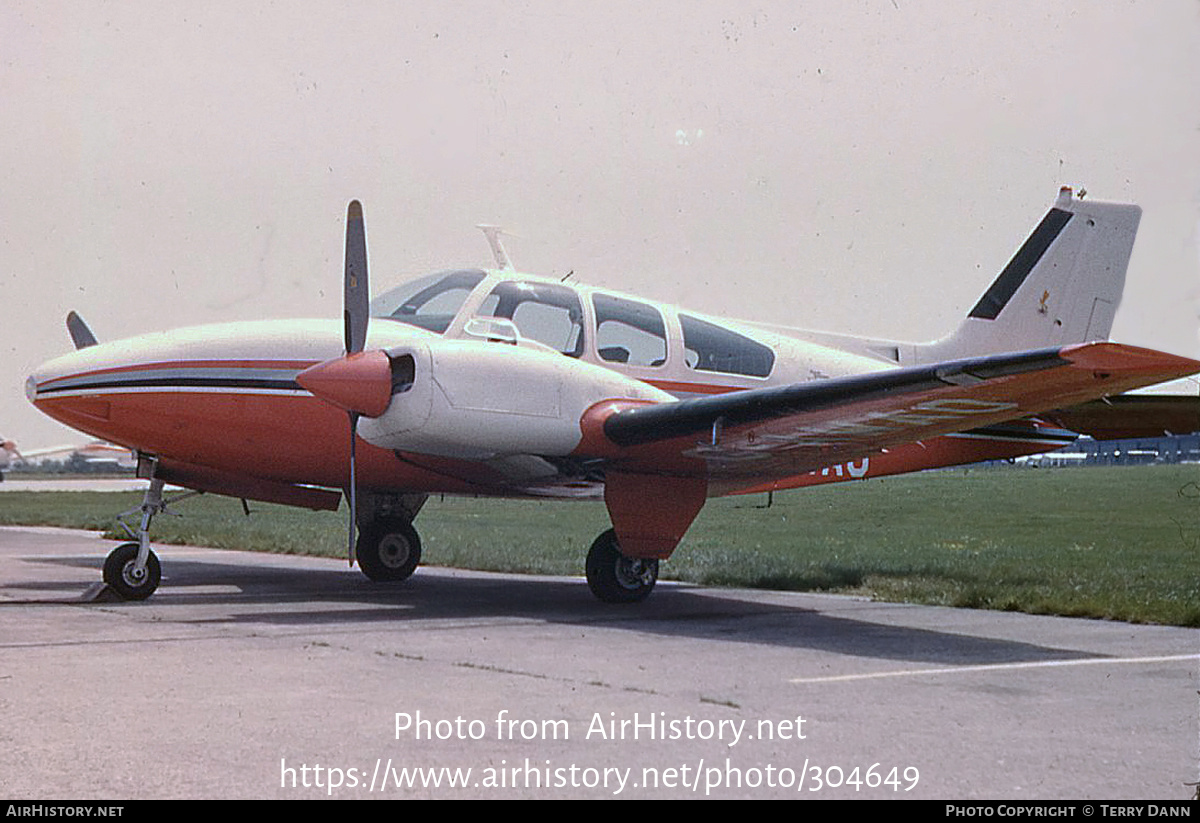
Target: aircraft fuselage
(225,396)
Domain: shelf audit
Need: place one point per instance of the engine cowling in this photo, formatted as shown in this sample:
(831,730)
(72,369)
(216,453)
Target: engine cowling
(476,400)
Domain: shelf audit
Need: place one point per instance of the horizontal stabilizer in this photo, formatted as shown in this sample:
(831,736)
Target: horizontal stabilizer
(1131,415)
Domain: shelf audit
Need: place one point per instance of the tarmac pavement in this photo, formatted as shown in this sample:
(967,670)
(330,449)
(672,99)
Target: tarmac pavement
(267,676)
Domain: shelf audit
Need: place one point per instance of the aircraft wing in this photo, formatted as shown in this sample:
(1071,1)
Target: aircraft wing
(782,431)
(48,451)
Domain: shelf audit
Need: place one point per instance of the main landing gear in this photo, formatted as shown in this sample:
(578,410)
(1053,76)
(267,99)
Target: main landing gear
(388,547)
(615,578)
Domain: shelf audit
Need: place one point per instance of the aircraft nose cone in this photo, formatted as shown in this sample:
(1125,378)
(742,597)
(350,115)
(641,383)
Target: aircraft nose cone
(360,383)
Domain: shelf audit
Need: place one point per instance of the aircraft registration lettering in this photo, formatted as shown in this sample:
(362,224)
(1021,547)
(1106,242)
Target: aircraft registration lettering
(836,432)
(928,413)
(848,468)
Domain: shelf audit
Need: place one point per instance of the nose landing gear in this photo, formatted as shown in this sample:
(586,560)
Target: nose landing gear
(127,577)
(132,570)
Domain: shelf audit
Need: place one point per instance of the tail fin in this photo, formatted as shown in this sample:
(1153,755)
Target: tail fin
(1061,287)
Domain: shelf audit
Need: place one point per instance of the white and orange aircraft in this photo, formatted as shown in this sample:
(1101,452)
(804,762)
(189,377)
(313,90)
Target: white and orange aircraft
(95,452)
(497,383)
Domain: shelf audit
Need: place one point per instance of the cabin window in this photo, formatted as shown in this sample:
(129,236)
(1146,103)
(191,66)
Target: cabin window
(708,347)
(629,332)
(545,312)
(431,302)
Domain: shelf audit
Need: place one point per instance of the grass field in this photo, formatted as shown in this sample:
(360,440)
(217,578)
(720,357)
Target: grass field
(1120,542)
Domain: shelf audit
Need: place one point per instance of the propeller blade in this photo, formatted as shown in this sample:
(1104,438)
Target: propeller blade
(357,295)
(353,489)
(81,335)
(355,310)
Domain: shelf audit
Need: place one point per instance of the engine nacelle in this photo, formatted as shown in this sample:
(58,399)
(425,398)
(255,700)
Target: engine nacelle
(475,399)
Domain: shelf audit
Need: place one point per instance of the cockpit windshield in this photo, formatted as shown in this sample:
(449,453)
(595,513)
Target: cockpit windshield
(430,302)
(545,312)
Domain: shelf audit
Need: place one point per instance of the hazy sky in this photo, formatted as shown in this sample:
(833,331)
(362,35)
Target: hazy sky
(863,167)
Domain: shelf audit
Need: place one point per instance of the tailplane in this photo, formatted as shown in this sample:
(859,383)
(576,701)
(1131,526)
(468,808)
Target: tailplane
(1061,287)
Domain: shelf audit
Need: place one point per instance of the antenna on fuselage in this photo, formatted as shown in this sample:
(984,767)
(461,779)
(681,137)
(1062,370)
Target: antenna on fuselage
(492,233)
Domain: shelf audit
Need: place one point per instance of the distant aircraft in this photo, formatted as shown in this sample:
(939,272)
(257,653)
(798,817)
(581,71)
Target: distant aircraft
(8,453)
(97,451)
(497,383)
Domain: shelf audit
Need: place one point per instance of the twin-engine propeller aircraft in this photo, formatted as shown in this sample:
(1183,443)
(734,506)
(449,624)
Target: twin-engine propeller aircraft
(479,382)
(94,452)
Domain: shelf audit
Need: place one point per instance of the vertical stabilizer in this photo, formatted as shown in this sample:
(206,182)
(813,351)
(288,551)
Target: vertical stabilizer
(1061,287)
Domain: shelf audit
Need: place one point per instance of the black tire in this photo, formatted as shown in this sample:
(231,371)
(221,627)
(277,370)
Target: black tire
(615,578)
(121,577)
(388,550)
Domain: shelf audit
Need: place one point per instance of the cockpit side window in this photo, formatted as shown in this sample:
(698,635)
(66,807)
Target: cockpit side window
(708,347)
(431,302)
(629,332)
(544,312)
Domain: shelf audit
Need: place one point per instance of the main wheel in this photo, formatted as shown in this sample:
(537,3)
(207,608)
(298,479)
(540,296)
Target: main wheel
(615,578)
(123,577)
(388,550)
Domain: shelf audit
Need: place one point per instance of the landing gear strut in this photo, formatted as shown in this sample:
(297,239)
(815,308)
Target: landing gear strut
(615,578)
(132,570)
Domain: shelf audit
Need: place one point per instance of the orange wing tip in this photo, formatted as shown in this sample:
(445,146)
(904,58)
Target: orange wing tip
(359,383)
(1118,357)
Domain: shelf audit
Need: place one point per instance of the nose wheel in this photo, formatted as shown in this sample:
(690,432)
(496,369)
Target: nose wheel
(128,578)
(615,578)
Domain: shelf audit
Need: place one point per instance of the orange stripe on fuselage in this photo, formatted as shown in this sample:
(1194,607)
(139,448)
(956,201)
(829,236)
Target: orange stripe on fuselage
(673,387)
(287,438)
